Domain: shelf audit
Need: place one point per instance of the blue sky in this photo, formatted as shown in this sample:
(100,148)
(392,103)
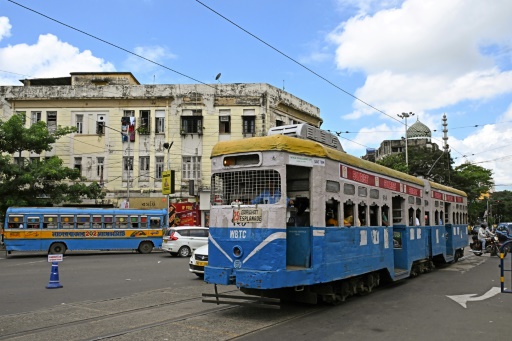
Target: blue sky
(428,57)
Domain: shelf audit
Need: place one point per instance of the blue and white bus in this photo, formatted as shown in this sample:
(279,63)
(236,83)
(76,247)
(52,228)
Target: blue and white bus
(57,229)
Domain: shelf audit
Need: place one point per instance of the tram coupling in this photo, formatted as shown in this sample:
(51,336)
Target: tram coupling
(242,300)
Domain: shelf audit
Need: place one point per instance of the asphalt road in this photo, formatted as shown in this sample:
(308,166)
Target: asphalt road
(128,296)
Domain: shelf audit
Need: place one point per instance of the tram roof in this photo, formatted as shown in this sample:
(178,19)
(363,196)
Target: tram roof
(315,149)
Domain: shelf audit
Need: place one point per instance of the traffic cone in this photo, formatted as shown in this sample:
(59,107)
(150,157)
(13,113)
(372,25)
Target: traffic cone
(54,277)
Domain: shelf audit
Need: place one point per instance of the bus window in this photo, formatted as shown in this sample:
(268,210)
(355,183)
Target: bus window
(33,222)
(121,222)
(96,222)
(109,221)
(134,222)
(143,222)
(50,221)
(67,221)
(154,222)
(83,221)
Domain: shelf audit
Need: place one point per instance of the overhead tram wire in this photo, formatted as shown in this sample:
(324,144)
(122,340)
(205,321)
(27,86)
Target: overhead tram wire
(109,43)
(296,62)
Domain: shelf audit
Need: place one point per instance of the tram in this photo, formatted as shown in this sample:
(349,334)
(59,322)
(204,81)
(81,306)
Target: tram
(294,217)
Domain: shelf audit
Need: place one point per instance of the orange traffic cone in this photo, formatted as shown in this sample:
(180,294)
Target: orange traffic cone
(54,277)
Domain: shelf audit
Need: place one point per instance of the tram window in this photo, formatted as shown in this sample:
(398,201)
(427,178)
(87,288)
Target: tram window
(418,201)
(397,239)
(241,160)
(426,202)
(436,203)
(332,186)
(374,193)
(349,189)
(362,191)
(374,221)
(410,200)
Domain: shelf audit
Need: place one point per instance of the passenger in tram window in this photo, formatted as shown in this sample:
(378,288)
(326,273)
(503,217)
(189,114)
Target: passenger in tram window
(416,221)
(349,217)
(385,220)
(270,195)
(331,221)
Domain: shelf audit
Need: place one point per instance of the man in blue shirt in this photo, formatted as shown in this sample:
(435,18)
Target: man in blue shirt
(270,195)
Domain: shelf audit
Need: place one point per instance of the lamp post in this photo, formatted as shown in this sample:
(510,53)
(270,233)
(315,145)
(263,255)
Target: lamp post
(168,146)
(405,115)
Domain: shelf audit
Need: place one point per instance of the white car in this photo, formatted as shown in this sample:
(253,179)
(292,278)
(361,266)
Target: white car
(183,240)
(198,261)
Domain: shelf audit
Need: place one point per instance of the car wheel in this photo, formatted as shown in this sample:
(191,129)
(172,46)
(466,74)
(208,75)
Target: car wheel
(184,251)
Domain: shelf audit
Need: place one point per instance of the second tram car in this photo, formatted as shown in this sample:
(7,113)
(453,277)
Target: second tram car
(295,217)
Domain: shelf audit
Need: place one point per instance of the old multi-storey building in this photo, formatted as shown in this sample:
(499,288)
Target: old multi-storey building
(123,127)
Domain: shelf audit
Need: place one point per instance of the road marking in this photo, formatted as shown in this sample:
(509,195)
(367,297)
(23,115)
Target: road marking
(463,299)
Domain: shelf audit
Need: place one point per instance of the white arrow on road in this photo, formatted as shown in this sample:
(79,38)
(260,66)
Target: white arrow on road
(463,299)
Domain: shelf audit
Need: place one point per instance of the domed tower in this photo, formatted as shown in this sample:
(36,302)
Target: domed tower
(419,131)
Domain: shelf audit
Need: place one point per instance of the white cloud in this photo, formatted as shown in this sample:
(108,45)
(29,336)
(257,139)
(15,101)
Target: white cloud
(5,27)
(156,54)
(48,57)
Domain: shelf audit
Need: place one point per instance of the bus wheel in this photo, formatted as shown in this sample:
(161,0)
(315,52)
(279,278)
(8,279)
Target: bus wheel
(145,247)
(57,248)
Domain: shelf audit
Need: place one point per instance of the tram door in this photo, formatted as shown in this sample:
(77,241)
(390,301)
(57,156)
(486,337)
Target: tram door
(298,229)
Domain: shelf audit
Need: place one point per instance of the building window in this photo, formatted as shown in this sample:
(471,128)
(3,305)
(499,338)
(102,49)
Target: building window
(20,161)
(249,124)
(191,169)
(145,122)
(192,124)
(35,117)
(128,128)
(99,167)
(51,121)
(159,167)
(80,124)
(78,164)
(159,121)
(127,167)
(100,124)
(144,164)
(224,124)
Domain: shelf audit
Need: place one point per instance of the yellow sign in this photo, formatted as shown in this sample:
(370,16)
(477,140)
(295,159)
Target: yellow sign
(166,182)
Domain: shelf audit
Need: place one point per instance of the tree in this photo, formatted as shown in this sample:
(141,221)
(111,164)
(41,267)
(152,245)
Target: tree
(41,182)
(394,161)
(475,181)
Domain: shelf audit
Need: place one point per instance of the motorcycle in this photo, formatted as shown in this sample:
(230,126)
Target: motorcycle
(491,246)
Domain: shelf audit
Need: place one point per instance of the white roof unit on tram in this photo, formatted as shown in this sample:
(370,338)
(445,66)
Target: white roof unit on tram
(308,132)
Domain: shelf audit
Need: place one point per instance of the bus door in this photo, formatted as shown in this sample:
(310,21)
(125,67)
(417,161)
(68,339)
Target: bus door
(298,227)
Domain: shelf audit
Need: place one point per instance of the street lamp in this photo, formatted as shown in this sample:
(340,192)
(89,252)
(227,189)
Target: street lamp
(168,146)
(405,116)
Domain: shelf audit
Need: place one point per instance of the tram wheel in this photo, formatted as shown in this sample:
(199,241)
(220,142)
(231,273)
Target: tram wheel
(57,248)
(145,247)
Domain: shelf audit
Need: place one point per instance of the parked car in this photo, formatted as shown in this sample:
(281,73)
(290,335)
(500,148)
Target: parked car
(198,261)
(182,241)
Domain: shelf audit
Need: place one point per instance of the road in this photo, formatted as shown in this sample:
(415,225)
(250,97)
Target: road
(128,296)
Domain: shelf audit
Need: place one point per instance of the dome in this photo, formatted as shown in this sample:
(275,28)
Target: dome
(418,130)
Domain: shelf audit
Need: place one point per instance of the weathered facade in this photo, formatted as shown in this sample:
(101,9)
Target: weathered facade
(122,127)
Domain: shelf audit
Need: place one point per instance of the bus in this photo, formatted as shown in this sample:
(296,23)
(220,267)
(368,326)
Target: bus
(293,216)
(58,229)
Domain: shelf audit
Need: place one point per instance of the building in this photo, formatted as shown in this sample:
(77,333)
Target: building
(418,135)
(123,126)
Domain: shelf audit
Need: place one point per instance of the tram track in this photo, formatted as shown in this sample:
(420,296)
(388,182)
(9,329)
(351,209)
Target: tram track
(94,320)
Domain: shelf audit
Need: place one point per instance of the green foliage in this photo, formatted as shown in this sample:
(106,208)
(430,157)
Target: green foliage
(38,183)
(394,161)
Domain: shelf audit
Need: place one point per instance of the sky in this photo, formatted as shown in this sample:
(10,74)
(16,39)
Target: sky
(361,62)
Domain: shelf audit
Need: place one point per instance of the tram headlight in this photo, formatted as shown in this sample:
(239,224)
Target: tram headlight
(237,251)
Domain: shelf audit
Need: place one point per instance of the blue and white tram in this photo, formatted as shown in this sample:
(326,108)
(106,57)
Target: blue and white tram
(295,217)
